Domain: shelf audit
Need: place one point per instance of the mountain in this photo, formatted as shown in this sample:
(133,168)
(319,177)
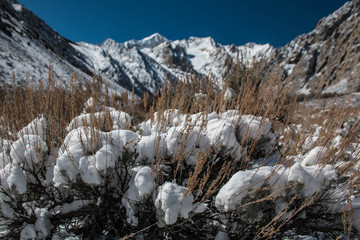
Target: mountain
(146,63)
(326,60)
(28,46)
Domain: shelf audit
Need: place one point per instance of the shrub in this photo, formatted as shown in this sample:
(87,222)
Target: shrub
(74,163)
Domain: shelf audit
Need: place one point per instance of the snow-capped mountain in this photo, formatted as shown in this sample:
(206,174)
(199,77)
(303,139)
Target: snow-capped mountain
(128,67)
(28,45)
(146,63)
(325,60)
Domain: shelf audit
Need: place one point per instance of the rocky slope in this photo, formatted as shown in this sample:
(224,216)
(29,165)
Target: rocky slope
(326,60)
(28,46)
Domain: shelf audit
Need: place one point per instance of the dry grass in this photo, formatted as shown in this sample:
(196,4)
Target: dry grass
(258,94)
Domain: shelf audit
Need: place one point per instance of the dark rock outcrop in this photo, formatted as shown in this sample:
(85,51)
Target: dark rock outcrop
(325,60)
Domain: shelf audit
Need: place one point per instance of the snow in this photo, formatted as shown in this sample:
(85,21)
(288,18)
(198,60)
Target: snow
(153,40)
(95,55)
(232,193)
(74,206)
(141,186)
(28,232)
(161,124)
(356,221)
(91,153)
(29,207)
(144,181)
(314,156)
(4,159)
(125,64)
(17,7)
(5,145)
(253,127)
(173,202)
(120,120)
(144,64)
(151,147)
(35,127)
(221,133)
(304,90)
(250,51)
(200,131)
(25,155)
(207,56)
(314,179)
(187,140)
(339,88)
(28,58)
(28,150)
(228,94)
(17,180)
(222,236)
(312,137)
(200,50)
(42,224)
(7,210)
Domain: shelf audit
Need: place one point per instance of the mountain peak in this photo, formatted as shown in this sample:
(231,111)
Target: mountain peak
(153,40)
(209,39)
(204,42)
(147,42)
(155,36)
(110,43)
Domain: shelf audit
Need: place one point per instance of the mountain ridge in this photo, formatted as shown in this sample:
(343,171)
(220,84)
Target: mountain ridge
(173,59)
(28,45)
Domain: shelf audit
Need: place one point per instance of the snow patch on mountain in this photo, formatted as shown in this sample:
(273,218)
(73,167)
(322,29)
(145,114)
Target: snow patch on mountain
(17,7)
(338,88)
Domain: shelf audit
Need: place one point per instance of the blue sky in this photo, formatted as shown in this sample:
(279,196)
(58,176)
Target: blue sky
(261,21)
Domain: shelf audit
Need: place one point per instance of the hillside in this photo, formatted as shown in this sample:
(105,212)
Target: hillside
(326,60)
(28,46)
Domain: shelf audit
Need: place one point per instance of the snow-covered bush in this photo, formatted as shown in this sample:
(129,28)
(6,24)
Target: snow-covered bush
(203,166)
(173,201)
(97,169)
